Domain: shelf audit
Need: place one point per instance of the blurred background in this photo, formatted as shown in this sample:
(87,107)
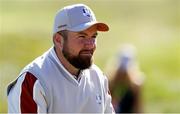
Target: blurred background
(152,26)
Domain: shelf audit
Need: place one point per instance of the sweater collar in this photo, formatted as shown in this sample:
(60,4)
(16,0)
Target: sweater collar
(63,70)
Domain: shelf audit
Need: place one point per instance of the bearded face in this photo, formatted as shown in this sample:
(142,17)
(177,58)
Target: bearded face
(78,47)
(82,60)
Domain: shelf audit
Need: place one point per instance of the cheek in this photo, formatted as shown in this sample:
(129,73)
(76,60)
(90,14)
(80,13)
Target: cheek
(73,47)
(95,44)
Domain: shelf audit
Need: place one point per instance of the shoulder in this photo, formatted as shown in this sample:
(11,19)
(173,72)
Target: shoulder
(96,70)
(30,73)
(95,67)
(26,80)
(37,65)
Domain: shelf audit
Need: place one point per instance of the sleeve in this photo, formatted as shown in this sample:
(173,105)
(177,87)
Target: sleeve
(108,104)
(27,95)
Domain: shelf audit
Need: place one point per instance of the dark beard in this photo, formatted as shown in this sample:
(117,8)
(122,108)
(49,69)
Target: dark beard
(79,61)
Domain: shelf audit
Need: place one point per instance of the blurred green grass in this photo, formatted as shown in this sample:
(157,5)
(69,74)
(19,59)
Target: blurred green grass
(152,26)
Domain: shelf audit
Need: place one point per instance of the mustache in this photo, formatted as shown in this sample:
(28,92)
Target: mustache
(85,51)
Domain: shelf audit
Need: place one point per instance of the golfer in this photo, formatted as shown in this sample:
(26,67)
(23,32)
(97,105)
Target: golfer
(64,79)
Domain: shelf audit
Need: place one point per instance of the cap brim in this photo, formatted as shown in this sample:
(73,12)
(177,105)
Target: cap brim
(100,27)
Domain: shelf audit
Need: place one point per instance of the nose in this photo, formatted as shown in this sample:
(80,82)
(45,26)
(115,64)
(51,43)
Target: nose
(90,43)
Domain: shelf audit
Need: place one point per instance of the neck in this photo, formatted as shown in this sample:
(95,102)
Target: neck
(69,67)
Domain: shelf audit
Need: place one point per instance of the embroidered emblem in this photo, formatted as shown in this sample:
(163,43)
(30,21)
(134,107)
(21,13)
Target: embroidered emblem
(98,99)
(86,12)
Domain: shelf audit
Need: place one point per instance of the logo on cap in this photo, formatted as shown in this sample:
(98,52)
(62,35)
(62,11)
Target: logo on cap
(86,12)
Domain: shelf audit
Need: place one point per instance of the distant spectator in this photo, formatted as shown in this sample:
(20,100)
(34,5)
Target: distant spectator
(126,83)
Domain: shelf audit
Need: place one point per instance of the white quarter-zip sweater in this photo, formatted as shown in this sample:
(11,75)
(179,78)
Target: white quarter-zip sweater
(45,86)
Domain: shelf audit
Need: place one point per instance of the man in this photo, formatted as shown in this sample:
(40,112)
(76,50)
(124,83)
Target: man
(126,84)
(64,79)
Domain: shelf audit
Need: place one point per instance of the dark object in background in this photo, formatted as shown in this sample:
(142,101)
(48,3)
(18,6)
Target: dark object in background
(126,84)
(127,103)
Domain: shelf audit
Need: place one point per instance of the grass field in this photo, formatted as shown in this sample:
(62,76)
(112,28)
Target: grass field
(152,26)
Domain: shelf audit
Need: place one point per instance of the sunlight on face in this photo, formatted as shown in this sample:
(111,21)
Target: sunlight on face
(79,47)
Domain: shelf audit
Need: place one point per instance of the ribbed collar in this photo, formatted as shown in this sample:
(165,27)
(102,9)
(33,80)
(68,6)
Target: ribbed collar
(63,70)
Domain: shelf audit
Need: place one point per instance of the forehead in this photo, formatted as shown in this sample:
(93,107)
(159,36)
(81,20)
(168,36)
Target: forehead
(91,29)
(89,32)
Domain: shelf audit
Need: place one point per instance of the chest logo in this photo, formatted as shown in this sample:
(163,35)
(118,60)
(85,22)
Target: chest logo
(98,99)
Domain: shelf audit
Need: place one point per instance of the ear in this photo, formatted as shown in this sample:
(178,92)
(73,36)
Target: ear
(58,40)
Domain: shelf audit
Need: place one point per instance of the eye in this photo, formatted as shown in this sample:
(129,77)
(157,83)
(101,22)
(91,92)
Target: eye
(81,36)
(94,36)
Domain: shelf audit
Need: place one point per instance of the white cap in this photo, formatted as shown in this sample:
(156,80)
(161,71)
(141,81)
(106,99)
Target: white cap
(127,56)
(77,17)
